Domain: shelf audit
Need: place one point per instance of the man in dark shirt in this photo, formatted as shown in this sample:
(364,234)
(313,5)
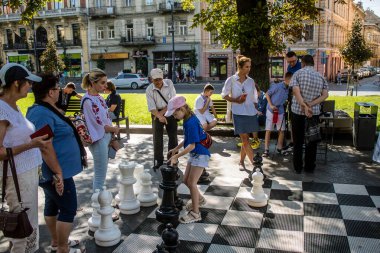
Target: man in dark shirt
(293,63)
(65,95)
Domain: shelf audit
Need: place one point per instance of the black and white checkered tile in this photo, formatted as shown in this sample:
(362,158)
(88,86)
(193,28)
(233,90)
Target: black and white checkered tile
(300,217)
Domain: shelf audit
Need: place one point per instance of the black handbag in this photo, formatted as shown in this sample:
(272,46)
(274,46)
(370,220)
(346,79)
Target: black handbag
(13,225)
(312,131)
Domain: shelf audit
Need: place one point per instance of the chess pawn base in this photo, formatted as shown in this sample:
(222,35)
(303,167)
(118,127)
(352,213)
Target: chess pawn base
(130,208)
(108,238)
(258,202)
(148,204)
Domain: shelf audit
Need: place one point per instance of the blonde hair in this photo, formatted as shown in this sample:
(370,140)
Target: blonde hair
(241,60)
(188,111)
(93,76)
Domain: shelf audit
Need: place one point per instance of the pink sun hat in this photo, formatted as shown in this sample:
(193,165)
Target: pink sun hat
(174,104)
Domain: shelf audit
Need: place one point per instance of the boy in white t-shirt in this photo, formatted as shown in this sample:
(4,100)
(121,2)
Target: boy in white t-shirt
(203,103)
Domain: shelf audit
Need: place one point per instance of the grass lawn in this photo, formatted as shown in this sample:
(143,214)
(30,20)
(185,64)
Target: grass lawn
(137,109)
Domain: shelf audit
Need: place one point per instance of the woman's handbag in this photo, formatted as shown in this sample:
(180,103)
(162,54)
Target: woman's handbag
(114,146)
(312,131)
(207,142)
(81,126)
(13,225)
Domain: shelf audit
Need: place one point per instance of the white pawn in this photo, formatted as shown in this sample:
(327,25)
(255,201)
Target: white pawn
(94,221)
(146,195)
(107,234)
(139,169)
(128,203)
(259,198)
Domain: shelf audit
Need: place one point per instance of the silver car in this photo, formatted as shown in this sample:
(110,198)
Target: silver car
(130,80)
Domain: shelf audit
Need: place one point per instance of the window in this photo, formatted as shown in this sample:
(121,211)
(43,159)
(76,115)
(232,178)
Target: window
(100,33)
(213,38)
(128,3)
(309,32)
(76,34)
(9,37)
(73,3)
(183,28)
(129,32)
(109,3)
(148,2)
(150,30)
(23,35)
(170,28)
(60,33)
(58,4)
(369,37)
(98,3)
(111,32)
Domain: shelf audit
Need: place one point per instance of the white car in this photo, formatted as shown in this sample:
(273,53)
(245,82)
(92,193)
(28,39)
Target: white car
(130,80)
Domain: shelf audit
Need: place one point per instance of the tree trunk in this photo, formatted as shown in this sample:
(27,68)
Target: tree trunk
(260,53)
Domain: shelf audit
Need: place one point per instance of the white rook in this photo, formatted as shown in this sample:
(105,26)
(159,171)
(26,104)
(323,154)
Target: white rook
(108,234)
(128,202)
(258,197)
(146,195)
(94,221)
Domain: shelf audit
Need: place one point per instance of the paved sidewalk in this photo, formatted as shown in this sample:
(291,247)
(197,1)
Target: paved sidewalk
(345,165)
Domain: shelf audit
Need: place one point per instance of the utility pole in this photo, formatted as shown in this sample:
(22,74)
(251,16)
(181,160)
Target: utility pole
(174,77)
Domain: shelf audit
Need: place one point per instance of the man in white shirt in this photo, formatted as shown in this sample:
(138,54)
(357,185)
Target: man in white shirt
(158,93)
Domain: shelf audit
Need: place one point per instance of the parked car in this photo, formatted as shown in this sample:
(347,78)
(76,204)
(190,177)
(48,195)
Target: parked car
(130,80)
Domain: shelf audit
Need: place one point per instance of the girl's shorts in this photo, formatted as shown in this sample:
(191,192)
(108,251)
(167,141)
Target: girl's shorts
(198,160)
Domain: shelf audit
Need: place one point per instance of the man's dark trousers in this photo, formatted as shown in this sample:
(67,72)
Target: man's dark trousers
(298,129)
(158,137)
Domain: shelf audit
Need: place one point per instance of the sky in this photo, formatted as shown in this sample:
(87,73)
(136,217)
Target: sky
(372,4)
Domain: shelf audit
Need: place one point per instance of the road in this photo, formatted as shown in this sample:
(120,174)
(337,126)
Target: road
(367,87)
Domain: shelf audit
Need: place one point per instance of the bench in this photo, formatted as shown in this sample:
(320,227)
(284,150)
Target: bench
(74,107)
(220,106)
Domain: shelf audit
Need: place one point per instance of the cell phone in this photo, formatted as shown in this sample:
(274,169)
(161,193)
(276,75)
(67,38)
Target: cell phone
(244,96)
(43,131)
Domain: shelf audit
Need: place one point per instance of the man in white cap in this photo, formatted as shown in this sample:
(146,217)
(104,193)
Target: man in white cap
(158,93)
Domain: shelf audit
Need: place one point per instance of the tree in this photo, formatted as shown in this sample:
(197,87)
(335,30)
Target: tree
(257,27)
(355,51)
(193,60)
(50,59)
(101,62)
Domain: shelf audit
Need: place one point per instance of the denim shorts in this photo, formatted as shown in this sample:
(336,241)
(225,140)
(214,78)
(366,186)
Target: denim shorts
(64,206)
(198,160)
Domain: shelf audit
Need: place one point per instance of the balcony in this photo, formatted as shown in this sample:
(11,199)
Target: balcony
(69,43)
(64,12)
(146,41)
(99,12)
(15,46)
(165,8)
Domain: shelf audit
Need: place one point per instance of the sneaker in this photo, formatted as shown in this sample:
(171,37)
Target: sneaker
(255,144)
(190,218)
(266,153)
(288,148)
(189,205)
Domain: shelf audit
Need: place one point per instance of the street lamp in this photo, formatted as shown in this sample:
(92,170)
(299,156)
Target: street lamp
(32,40)
(174,79)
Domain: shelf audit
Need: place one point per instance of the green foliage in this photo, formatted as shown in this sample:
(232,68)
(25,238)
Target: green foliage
(50,59)
(193,60)
(101,62)
(356,51)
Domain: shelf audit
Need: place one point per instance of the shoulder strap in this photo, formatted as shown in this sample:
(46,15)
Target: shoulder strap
(159,92)
(5,172)
(82,102)
(14,174)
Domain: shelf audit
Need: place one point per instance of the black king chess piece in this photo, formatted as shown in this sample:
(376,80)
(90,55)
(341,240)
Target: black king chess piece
(168,212)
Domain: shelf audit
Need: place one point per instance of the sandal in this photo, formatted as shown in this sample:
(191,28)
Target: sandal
(241,167)
(202,202)
(70,243)
(190,218)
(266,153)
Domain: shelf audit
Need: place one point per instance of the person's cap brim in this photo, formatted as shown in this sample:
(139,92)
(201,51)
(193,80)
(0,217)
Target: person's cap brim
(33,78)
(169,113)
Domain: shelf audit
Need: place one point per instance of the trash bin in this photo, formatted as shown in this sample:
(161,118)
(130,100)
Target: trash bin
(364,129)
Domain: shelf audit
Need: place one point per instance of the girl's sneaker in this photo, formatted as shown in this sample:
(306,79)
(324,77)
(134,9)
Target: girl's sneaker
(189,205)
(190,218)
(266,153)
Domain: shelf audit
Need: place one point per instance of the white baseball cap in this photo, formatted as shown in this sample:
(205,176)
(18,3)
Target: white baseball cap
(11,72)
(156,73)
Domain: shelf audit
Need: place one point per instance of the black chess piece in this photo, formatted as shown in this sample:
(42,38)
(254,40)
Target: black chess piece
(178,202)
(168,212)
(170,238)
(160,249)
(257,164)
(204,178)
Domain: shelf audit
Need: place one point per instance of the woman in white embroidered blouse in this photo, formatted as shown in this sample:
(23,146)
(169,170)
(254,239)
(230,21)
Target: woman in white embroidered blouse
(98,122)
(240,90)
(15,131)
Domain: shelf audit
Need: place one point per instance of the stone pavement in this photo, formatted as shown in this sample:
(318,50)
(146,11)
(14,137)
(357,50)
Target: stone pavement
(345,165)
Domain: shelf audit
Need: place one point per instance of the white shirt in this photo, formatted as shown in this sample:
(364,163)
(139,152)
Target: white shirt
(95,112)
(155,101)
(234,88)
(199,103)
(18,132)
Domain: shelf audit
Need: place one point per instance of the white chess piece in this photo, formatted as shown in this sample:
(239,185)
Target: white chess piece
(146,195)
(94,221)
(108,234)
(119,195)
(128,203)
(258,198)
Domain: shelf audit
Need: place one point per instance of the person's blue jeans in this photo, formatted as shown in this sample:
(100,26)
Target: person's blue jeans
(99,151)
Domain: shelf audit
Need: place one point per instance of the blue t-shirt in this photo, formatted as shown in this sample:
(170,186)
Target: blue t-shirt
(64,142)
(278,93)
(295,68)
(194,133)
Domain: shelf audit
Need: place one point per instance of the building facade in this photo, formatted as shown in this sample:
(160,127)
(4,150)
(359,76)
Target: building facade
(372,37)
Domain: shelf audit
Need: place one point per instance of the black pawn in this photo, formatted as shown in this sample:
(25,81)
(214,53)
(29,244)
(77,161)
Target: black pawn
(257,164)
(168,212)
(160,249)
(170,239)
